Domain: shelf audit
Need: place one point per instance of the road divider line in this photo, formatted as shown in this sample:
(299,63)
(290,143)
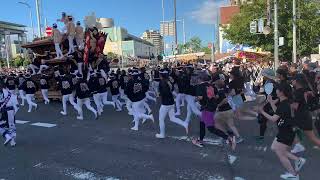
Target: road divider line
(21,122)
(46,125)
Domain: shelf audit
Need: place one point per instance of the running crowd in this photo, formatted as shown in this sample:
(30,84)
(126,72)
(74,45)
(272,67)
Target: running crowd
(213,93)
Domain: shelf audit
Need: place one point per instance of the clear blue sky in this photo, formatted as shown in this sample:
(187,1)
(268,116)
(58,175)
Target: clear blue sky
(134,15)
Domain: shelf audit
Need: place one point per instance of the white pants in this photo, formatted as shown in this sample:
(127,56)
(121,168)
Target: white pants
(146,105)
(163,112)
(15,100)
(12,127)
(98,101)
(87,103)
(58,50)
(80,68)
(33,68)
(22,95)
(104,98)
(104,75)
(148,96)
(115,99)
(65,99)
(42,67)
(44,93)
(71,46)
(129,106)
(138,112)
(180,102)
(191,108)
(155,86)
(29,98)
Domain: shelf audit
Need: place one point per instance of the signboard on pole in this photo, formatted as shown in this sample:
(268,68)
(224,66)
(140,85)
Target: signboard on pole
(281,41)
(253,27)
(260,25)
(49,31)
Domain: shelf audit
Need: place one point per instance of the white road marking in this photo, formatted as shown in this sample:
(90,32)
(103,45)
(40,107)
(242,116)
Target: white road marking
(83,175)
(217,177)
(232,159)
(47,125)
(37,165)
(21,122)
(204,155)
(205,140)
(239,178)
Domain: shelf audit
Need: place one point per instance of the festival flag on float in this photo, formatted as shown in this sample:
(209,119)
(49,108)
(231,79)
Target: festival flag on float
(101,42)
(87,47)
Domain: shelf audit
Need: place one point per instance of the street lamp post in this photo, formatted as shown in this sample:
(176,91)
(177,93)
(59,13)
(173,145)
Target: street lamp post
(175,27)
(30,14)
(38,18)
(294,33)
(276,35)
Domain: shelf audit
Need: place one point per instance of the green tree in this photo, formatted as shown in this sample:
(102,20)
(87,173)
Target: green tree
(238,32)
(194,45)
(18,61)
(207,50)
(112,55)
(26,62)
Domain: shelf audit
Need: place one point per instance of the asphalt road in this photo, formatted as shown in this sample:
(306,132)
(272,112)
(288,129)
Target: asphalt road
(107,149)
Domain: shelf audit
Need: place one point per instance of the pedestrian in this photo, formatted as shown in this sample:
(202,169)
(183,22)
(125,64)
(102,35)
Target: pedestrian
(57,39)
(30,87)
(167,104)
(7,130)
(208,96)
(71,32)
(19,81)
(83,98)
(66,88)
(44,86)
(136,93)
(114,86)
(286,135)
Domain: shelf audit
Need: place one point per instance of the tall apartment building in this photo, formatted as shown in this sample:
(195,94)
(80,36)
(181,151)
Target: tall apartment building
(155,38)
(239,2)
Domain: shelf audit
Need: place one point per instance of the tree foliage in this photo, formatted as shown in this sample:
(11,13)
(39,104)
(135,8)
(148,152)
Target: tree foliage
(308,34)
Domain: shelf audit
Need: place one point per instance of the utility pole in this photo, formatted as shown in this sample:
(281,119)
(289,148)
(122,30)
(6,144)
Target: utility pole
(175,26)
(184,32)
(31,17)
(38,18)
(276,35)
(294,31)
(164,40)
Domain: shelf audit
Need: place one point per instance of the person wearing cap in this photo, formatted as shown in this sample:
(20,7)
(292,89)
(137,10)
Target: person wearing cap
(30,87)
(83,94)
(11,85)
(44,86)
(79,35)
(103,92)
(167,104)
(57,39)
(136,93)
(66,88)
(114,86)
(7,130)
(19,81)
(71,32)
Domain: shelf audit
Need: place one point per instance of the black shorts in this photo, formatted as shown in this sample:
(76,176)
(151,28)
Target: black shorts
(286,138)
(304,121)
